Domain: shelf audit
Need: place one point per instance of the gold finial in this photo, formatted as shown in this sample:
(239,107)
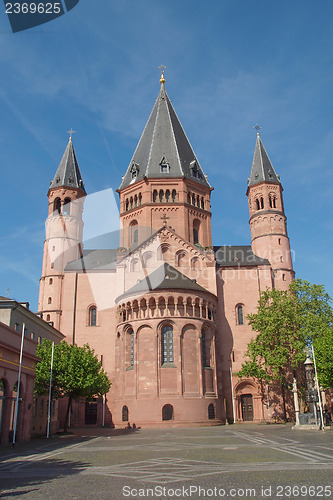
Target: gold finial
(162,68)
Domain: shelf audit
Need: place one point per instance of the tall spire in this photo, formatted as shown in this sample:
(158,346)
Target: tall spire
(262,169)
(164,150)
(68,173)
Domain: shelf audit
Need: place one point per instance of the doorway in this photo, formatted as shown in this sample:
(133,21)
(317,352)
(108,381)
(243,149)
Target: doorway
(90,415)
(247,407)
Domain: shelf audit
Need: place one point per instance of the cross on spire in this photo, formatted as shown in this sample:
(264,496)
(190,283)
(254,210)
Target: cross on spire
(165,218)
(257,127)
(71,132)
(162,68)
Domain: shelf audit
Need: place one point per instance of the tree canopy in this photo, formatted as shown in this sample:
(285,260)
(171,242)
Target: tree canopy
(286,322)
(77,372)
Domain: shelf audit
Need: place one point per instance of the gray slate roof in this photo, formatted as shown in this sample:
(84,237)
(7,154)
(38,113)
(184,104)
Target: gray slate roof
(94,259)
(165,277)
(68,173)
(163,141)
(238,256)
(262,168)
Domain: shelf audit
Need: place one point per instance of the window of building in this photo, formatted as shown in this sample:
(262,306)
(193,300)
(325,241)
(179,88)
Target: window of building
(196,227)
(240,315)
(202,203)
(167,412)
(17,327)
(124,414)
(211,411)
(134,170)
(49,300)
(261,202)
(164,165)
(48,317)
(161,195)
(189,198)
(57,206)
(167,195)
(131,347)
(92,316)
(140,198)
(127,205)
(167,344)
(136,200)
(67,206)
(205,361)
(174,195)
(154,195)
(50,281)
(257,204)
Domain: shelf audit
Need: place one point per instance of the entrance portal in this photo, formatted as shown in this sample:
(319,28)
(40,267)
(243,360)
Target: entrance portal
(247,407)
(90,416)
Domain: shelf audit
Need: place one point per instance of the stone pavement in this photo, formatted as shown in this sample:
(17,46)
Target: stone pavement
(236,461)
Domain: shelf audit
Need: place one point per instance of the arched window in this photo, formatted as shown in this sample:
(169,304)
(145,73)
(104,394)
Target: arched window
(161,195)
(205,362)
(240,315)
(92,316)
(261,202)
(147,259)
(136,200)
(127,204)
(167,195)
(135,265)
(211,411)
(50,281)
(181,259)
(189,198)
(272,200)
(167,412)
(131,202)
(154,195)
(129,346)
(202,203)
(57,206)
(140,198)
(134,232)
(193,199)
(67,206)
(167,344)
(173,195)
(257,204)
(198,201)
(49,300)
(195,264)
(124,414)
(48,317)
(196,227)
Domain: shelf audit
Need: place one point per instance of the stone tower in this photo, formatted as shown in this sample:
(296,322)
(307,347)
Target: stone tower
(64,226)
(268,222)
(164,180)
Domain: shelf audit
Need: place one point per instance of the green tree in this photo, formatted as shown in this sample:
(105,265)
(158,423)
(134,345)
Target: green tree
(77,373)
(287,321)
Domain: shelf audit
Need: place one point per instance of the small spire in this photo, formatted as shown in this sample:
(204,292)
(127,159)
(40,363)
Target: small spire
(71,132)
(162,68)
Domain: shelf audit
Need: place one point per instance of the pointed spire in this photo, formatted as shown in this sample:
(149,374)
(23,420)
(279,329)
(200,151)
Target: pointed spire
(262,169)
(68,173)
(164,149)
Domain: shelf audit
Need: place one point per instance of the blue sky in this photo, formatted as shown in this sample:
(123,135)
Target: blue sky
(230,65)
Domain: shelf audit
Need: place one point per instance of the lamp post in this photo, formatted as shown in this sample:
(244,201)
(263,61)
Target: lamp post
(311,394)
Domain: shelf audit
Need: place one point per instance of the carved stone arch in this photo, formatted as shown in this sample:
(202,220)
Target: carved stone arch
(141,327)
(187,327)
(164,322)
(147,257)
(134,265)
(162,249)
(180,257)
(246,384)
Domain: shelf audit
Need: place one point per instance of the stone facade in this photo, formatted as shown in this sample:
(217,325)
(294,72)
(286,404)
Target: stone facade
(166,310)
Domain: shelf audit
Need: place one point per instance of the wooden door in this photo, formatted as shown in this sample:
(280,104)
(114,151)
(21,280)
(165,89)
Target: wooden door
(247,407)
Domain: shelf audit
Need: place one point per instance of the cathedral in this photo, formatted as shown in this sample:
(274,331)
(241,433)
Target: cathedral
(166,310)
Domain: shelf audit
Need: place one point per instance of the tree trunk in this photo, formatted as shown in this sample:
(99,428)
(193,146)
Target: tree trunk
(67,413)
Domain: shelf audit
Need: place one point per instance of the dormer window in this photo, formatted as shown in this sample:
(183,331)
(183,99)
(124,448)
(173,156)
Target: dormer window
(164,165)
(134,170)
(195,171)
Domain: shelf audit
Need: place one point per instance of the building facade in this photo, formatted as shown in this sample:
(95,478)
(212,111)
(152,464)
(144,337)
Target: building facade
(165,310)
(32,413)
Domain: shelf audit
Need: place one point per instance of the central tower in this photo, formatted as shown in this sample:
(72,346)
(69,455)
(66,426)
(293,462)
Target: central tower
(165,182)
